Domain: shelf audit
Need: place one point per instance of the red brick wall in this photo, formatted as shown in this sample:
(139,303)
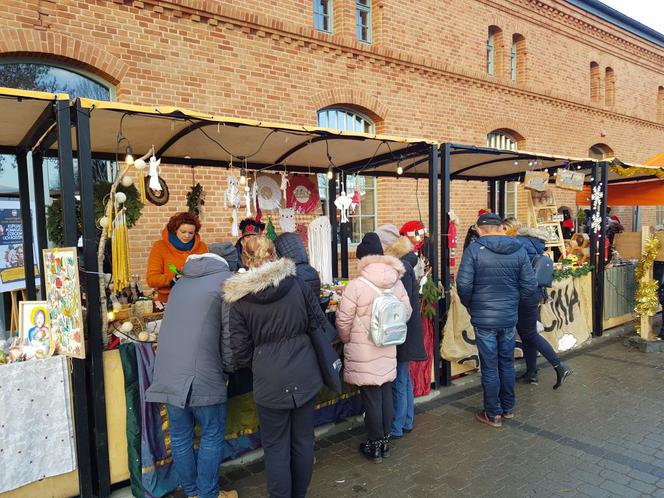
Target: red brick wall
(424,75)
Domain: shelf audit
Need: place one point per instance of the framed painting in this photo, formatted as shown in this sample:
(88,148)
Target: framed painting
(63,294)
(34,328)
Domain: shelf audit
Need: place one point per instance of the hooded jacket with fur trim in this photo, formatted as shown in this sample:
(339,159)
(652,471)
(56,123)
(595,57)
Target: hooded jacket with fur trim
(365,364)
(270,316)
(413,349)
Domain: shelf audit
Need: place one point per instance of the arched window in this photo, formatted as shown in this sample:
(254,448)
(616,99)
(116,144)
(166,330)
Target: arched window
(494,51)
(595,85)
(600,151)
(364,219)
(45,76)
(610,84)
(518,58)
(660,104)
(507,140)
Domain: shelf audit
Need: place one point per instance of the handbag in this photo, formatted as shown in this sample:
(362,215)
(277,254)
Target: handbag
(321,337)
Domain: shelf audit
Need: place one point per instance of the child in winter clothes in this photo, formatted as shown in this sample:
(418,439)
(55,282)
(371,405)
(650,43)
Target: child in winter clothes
(366,365)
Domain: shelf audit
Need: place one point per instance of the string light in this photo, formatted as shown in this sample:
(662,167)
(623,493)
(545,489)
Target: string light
(129,159)
(530,163)
(516,163)
(330,172)
(243,177)
(399,170)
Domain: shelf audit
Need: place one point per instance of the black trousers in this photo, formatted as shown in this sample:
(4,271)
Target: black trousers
(378,410)
(288,443)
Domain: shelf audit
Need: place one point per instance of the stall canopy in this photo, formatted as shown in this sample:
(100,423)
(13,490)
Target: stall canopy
(645,193)
(186,137)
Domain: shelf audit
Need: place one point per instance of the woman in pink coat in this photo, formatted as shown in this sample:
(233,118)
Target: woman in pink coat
(366,365)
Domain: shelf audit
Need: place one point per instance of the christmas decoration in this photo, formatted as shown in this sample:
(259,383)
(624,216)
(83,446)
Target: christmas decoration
(343,203)
(287,219)
(632,170)
(196,199)
(232,199)
(302,194)
(270,232)
(647,302)
(268,192)
(416,232)
(431,294)
(596,219)
(572,271)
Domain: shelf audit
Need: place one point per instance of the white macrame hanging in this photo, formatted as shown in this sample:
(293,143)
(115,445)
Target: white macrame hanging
(284,185)
(233,199)
(320,248)
(153,173)
(343,203)
(247,200)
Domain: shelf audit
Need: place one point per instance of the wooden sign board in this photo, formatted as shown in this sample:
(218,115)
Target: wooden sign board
(536,180)
(570,180)
(628,245)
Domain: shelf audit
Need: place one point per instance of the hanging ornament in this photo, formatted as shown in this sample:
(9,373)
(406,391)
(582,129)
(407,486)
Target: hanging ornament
(343,202)
(302,194)
(287,219)
(270,232)
(268,192)
(355,201)
(127,181)
(284,185)
(254,194)
(596,219)
(153,173)
(232,199)
(247,200)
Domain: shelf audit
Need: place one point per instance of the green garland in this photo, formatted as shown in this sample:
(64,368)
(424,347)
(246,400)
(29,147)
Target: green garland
(431,294)
(575,272)
(55,218)
(195,199)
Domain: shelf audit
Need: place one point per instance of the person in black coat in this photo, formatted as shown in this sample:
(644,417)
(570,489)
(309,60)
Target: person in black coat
(290,245)
(413,348)
(270,315)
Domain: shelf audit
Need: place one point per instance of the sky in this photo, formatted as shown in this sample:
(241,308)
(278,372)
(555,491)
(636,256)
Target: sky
(648,12)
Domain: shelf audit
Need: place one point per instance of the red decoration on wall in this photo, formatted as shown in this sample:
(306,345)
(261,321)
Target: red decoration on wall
(302,194)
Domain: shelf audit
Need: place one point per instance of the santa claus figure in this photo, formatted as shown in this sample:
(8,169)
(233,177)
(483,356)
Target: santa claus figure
(416,232)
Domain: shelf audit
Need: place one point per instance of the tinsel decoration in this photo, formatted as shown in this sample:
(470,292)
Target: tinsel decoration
(631,171)
(647,301)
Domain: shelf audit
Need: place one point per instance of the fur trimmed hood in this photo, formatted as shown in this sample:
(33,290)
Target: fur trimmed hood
(535,233)
(399,248)
(258,279)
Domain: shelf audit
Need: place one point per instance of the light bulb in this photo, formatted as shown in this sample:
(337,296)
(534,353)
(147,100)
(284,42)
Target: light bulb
(516,163)
(546,170)
(399,170)
(140,164)
(330,173)
(243,179)
(530,163)
(111,316)
(129,159)
(578,167)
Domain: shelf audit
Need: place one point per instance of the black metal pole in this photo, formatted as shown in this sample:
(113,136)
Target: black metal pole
(601,260)
(102,483)
(502,184)
(332,213)
(434,241)
(493,196)
(40,214)
(26,222)
(593,252)
(344,236)
(446,368)
(82,421)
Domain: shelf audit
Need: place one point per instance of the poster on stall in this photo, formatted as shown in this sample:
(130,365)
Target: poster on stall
(12,265)
(63,294)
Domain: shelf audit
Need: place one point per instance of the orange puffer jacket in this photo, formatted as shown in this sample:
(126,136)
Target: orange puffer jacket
(163,254)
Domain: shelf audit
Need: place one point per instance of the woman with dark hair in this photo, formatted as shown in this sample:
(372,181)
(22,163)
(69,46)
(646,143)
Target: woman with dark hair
(179,239)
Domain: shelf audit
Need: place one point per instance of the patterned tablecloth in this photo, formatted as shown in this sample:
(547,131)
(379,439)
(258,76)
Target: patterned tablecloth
(36,427)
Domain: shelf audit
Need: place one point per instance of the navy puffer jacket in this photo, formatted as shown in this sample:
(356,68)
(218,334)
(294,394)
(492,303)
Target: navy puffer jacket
(495,274)
(289,245)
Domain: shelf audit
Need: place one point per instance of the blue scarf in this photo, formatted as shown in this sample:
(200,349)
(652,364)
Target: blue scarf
(178,244)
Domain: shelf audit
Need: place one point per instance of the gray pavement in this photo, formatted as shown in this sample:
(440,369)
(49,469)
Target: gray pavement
(600,435)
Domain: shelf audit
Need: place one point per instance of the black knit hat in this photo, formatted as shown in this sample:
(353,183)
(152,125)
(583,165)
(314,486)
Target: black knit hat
(249,226)
(370,246)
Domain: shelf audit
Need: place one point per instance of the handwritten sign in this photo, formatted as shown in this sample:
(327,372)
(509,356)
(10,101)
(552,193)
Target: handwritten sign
(536,180)
(570,180)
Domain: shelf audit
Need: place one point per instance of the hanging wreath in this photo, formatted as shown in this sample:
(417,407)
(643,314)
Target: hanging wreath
(157,197)
(302,194)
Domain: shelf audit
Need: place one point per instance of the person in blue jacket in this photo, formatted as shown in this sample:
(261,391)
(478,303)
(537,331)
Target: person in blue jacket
(494,276)
(533,241)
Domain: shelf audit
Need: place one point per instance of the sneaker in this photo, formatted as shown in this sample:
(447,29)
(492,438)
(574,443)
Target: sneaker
(385,447)
(371,450)
(490,421)
(529,378)
(562,372)
(508,415)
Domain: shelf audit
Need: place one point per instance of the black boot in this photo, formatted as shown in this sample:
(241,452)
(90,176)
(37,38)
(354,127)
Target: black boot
(562,372)
(530,377)
(371,450)
(385,447)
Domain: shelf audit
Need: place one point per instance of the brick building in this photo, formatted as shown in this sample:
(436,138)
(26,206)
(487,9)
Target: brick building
(561,77)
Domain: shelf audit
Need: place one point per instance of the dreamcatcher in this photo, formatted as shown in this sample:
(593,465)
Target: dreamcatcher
(233,199)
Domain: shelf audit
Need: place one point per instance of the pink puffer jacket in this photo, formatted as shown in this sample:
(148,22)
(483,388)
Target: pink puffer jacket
(365,364)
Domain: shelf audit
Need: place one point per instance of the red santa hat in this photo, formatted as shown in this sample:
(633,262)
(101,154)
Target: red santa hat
(415,231)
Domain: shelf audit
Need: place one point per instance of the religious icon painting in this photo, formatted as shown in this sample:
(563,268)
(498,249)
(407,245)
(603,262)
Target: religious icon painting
(34,328)
(63,294)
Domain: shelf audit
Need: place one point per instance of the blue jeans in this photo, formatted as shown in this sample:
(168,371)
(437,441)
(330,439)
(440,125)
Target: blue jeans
(198,478)
(496,348)
(403,400)
(531,341)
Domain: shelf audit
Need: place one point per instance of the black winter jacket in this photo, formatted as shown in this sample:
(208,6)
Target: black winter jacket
(289,245)
(495,274)
(269,320)
(413,348)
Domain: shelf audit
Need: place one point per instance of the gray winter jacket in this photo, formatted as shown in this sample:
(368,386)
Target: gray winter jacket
(194,342)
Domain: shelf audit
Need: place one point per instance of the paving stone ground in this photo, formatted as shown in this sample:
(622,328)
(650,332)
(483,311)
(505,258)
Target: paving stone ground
(600,435)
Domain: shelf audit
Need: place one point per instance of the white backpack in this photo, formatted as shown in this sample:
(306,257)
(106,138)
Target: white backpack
(389,318)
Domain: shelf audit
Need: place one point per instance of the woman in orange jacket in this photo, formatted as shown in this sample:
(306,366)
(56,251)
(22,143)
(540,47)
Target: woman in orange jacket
(179,239)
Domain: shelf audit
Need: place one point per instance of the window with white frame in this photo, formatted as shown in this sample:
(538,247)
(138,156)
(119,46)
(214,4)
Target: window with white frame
(364,219)
(45,76)
(490,52)
(502,140)
(323,15)
(363,16)
(660,215)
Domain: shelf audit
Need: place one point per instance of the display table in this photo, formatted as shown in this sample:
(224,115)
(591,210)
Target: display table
(567,320)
